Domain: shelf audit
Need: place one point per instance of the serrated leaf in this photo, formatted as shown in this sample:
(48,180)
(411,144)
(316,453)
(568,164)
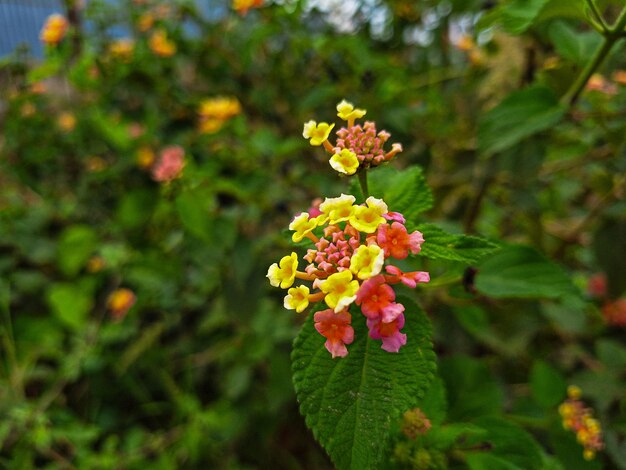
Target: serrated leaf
(439,244)
(350,403)
(520,115)
(521,271)
(404,191)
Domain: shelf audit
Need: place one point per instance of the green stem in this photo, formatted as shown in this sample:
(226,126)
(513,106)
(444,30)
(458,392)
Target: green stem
(600,21)
(611,36)
(363,182)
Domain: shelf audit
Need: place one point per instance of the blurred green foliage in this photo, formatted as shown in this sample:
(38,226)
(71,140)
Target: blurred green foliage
(197,374)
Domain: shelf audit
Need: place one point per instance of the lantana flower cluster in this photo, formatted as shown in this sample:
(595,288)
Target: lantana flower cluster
(579,419)
(348,268)
(357,147)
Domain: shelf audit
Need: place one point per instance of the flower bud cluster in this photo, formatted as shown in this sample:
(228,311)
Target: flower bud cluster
(576,417)
(357,146)
(348,265)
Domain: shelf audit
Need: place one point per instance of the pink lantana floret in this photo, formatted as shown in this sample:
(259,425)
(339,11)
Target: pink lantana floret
(390,334)
(377,300)
(397,242)
(410,279)
(336,328)
(170,164)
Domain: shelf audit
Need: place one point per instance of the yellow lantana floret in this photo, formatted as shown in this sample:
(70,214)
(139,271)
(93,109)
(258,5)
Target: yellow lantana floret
(297,298)
(368,218)
(317,133)
(345,162)
(348,112)
(283,273)
(340,290)
(367,261)
(338,209)
(161,45)
(302,225)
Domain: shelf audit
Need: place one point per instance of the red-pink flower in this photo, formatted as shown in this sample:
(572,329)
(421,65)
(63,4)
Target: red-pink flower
(377,300)
(397,242)
(614,312)
(409,279)
(335,327)
(170,164)
(596,285)
(393,340)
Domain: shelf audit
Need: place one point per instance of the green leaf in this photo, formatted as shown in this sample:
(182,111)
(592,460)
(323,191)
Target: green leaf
(573,45)
(461,374)
(70,304)
(521,271)
(350,403)
(562,9)
(482,461)
(404,191)
(112,131)
(76,244)
(517,16)
(439,244)
(520,115)
(547,384)
(193,209)
(512,445)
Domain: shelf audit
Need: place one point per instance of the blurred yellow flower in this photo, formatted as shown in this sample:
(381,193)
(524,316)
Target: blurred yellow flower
(95,164)
(214,112)
(54,29)
(161,45)
(95,264)
(28,110)
(122,49)
(242,6)
(145,157)
(145,22)
(120,302)
(66,121)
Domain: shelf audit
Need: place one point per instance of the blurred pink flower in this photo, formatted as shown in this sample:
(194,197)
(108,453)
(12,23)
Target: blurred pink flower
(170,164)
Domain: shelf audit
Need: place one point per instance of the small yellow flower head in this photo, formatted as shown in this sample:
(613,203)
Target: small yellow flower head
(340,290)
(95,264)
(574,392)
(67,121)
(145,22)
(589,454)
(317,133)
(161,45)
(367,261)
(348,112)
(345,162)
(221,108)
(297,298)
(368,218)
(122,49)
(283,273)
(338,209)
(242,6)
(54,30)
(120,302)
(302,226)
(145,157)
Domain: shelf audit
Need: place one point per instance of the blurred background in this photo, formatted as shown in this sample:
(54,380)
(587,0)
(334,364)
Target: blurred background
(151,158)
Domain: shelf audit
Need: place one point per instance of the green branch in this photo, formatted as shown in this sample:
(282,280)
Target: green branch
(611,36)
